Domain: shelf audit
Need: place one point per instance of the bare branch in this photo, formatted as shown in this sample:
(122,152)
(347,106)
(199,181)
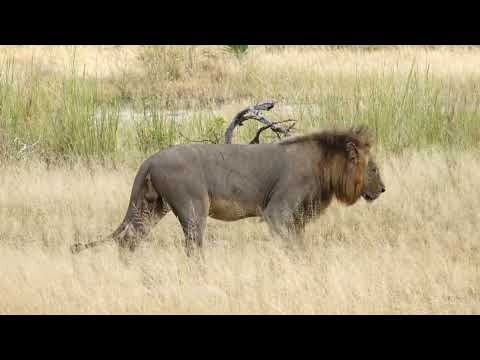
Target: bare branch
(256,139)
(253,112)
(237,121)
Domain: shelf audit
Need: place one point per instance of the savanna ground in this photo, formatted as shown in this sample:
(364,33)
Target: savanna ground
(94,113)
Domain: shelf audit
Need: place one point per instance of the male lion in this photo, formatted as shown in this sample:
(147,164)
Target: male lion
(288,183)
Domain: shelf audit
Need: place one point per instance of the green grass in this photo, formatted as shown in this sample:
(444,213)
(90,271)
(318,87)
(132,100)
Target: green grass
(73,116)
(409,112)
(64,117)
(237,50)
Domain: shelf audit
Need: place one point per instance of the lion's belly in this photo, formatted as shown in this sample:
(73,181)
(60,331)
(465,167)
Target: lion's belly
(230,210)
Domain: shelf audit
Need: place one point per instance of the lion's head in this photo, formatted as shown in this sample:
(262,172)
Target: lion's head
(346,165)
(352,170)
(362,176)
(373,185)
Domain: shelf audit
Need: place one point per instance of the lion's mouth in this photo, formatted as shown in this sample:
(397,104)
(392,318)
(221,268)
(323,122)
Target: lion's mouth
(368,197)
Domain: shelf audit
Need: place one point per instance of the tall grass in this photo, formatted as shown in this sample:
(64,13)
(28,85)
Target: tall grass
(417,110)
(411,97)
(154,130)
(81,126)
(63,116)
(237,50)
(415,250)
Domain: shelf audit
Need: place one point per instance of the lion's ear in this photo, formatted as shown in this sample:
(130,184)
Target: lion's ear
(352,152)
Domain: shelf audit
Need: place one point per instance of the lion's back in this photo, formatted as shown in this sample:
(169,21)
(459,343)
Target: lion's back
(240,175)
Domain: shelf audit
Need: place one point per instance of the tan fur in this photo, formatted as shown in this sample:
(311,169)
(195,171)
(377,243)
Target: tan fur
(286,183)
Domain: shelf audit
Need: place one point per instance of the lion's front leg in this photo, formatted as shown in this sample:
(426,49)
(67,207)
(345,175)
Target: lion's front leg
(282,222)
(283,214)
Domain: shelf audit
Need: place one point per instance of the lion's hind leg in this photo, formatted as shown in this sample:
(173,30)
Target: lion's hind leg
(192,215)
(147,211)
(145,218)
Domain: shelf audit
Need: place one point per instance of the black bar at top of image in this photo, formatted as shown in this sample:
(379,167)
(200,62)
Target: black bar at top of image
(207,37)
(262,24)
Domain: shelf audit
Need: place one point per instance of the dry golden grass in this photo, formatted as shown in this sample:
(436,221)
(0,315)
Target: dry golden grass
(111,60)
(415,250)
(94,60)
(209,72)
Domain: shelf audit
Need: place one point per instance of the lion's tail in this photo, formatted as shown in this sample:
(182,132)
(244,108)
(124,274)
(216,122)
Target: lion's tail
(134,196)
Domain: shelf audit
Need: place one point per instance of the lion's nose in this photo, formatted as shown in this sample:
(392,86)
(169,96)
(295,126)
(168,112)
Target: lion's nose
(383,189)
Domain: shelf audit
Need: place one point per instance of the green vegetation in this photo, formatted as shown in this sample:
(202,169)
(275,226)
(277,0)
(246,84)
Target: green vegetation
(72,115)
(238,50)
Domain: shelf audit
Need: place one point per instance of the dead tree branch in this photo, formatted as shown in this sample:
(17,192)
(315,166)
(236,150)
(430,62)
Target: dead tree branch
(253,112)
(256,139)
